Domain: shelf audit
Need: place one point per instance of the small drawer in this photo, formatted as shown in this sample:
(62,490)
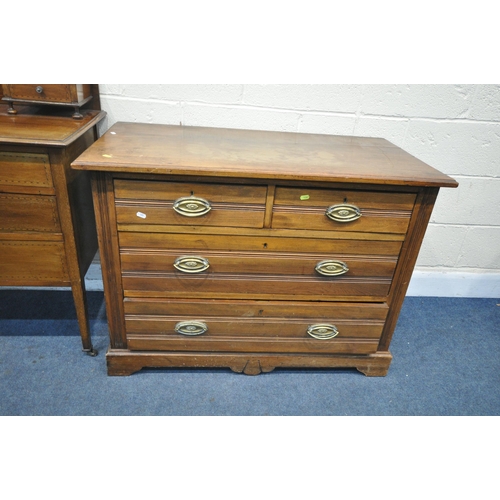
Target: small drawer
(28,213)
(339,210)
(32,263)
(25,169)
(256,326)
(178,203)
(54,93)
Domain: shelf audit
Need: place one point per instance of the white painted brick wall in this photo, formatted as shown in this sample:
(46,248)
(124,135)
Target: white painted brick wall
(454,128)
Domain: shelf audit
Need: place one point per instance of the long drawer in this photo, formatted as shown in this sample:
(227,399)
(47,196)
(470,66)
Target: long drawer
(279,263)
(32,262)
(28,213)
(181,203)
(342,210)
(213,265)
(259,326)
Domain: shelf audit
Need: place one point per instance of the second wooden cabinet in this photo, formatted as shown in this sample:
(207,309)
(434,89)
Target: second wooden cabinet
(255,250)
(47,228)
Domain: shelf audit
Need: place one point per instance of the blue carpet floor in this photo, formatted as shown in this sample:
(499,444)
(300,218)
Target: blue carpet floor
(446,362)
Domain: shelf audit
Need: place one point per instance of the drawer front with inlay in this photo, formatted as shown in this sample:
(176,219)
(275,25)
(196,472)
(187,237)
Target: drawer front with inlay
(338,210)
(178,203)
(259,326)
(24,169)
(29,213)
(31,262)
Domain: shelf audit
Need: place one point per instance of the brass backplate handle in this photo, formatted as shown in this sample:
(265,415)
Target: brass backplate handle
(343,213)
(322,331)
(191,327)
(331,267)
(192,206)
(191,264)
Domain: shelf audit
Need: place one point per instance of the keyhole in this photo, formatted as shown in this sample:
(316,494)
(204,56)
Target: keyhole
(192,193)
(345,200)
(265,245)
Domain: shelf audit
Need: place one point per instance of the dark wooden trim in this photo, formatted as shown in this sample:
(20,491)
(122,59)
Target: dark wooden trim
(103,195)
(424,205)
(123,362)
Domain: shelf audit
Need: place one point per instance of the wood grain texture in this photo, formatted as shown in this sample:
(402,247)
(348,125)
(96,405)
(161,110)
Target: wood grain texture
(323,198)
(103,195)
(47,229)
(255,286)
(171,191)
(71,95)
(74,225)
(243,328)
(254,242)
(28,213)
(288,234)
(258,267)
(260,246)
(409,253)
(24,168)
(222,214)
(371,221)
(262,263)
(24,262)
(52,128)
(65,93)
(169,149)
(237,344)
(123,362)
(143,202)
(255,309)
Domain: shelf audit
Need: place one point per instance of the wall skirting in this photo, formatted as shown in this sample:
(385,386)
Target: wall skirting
(454,284)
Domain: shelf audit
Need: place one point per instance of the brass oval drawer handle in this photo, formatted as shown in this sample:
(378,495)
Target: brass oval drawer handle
(331,267)
(191,206)
(191,264)
(322,331)
(343,213)
(191,327)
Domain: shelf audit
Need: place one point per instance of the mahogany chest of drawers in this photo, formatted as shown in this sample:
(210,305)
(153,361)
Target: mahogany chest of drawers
(254,250)
(47,225)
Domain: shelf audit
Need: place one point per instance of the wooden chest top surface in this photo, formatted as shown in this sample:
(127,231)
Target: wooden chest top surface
(203,151)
